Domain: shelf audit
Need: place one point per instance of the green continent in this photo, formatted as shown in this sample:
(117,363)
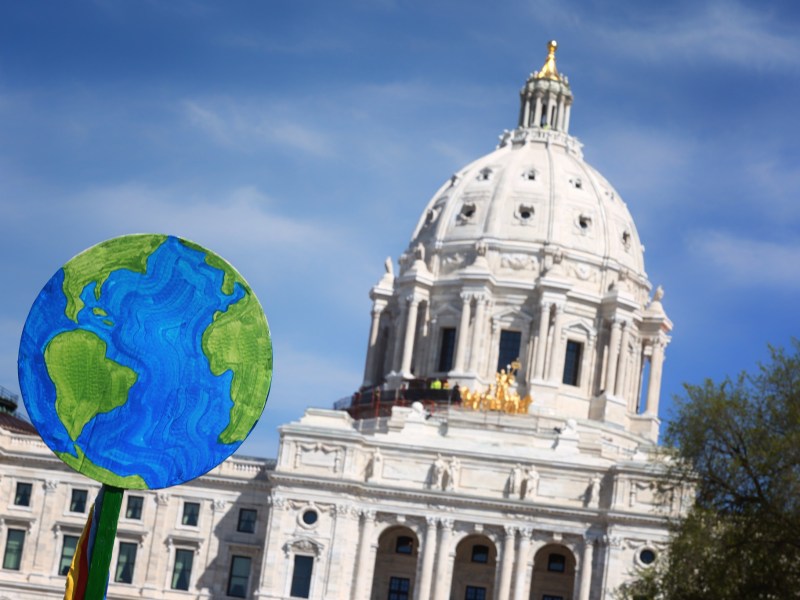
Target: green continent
(231,276)
(88,468)
(238,339)
(87,382)
(126,252)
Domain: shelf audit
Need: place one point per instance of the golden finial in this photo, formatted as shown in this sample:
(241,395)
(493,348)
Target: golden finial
(549,71)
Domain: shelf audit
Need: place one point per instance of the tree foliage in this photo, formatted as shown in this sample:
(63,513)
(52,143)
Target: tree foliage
(738,442)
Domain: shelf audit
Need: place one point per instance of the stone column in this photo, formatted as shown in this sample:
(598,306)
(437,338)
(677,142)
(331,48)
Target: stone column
(619,387)
(153,580)
(411,329)
(210,548)
(556,353)
(339,569)
(537,113)
(374,330)
(613,357)
(362,586)
(422,591)
(635,379)
(443,575)
(560,125)
(461,344)
(526,113)
(521,591)
(611,578)
(477,330)
(586,569)
(541,344)
(552,110)
(566,118)
(398,337)
(504,586)
(591,359)
(50,505)
(654,385)
(274,559)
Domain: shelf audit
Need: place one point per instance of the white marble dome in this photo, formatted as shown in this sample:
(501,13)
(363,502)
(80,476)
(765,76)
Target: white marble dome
(532,196)
(527,259)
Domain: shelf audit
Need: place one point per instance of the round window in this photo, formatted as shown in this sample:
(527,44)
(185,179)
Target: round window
(310,517)
(647,557)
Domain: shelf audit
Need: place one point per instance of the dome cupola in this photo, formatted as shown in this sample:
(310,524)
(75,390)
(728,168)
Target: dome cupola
(545,99)
(527,256)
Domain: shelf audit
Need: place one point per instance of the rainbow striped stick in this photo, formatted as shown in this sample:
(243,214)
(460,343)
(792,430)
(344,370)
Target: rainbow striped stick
(88,575)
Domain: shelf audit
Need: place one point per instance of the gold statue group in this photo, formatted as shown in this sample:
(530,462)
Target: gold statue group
(501,395)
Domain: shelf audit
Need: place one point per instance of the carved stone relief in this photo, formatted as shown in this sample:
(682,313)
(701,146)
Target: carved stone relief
(582,271)
(318,455)
(453,262)
(519,262)
(302,545)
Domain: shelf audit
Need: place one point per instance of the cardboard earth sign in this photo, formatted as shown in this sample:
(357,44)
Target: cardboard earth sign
(145,361)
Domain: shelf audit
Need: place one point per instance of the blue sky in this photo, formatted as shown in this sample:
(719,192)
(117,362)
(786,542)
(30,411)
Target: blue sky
(301,141)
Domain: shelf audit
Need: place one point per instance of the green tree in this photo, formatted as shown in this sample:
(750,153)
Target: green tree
(738,444)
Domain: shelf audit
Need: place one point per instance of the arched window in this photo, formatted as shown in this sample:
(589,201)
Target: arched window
(480,553)
(404,545)
(556,562)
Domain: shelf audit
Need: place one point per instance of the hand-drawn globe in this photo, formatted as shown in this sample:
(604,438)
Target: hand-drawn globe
(145,361)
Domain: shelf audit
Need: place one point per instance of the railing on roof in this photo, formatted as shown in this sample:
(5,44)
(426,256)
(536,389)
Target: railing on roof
(7,394)
(376,402)
(9,401)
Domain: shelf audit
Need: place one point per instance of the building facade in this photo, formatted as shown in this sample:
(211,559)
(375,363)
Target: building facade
(502,444)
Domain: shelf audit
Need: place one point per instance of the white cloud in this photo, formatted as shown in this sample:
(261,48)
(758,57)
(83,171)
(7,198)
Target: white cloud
(240,218)
(277,252)
(746,262)
(718,30)
(243,127)
(727,31)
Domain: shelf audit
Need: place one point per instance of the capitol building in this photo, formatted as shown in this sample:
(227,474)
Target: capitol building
(501,446)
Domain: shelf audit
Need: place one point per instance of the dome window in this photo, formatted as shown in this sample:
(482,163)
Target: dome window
(485,174)
(530,175)
(584,222)
(626,239)
(467,212)
(524,212)
(577,183)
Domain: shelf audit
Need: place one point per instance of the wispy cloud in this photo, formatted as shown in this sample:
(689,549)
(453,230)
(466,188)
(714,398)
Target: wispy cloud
(746,262)
(717,30)
(240,126)
(777,183)
(241,215)
(727,31)
(643,158)
(296,45)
